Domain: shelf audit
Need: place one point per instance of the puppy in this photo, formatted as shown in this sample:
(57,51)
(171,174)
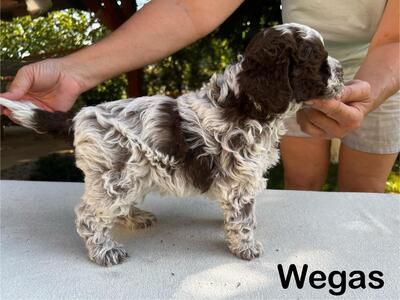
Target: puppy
(217,141)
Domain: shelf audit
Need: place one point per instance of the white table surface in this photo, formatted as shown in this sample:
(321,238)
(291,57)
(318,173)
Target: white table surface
(184,256)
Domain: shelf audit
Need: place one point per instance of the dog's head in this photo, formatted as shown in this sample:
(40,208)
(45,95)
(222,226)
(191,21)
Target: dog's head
(283,64)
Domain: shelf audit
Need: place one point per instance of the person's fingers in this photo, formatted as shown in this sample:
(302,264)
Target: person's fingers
(349,117)
(331,108)
(8,113)
(307,127)
(3,110)
(41,104)
(330,127)
(355,90)
(38,103)
(9,95)
(21,84)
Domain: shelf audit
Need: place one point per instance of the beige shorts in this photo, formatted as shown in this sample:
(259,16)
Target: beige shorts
(379,132)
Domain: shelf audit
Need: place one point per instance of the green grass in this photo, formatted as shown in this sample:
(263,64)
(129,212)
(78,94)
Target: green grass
(393,183)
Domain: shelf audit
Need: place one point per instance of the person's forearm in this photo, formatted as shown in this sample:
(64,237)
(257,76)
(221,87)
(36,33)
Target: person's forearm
(157,30)
(381,69)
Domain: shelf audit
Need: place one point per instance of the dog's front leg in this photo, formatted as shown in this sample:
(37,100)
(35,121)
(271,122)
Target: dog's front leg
(239,226)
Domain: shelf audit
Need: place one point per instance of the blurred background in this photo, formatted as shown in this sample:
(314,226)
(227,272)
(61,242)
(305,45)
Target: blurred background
(32,30)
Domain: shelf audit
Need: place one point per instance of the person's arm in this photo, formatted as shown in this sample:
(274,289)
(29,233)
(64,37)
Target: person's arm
(381,68)
(160,28)
(376,80)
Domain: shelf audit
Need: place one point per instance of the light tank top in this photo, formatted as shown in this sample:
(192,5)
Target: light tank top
(346,25)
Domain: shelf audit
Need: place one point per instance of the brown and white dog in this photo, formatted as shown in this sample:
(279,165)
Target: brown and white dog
(217,141)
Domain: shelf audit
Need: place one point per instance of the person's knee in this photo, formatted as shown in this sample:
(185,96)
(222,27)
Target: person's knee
(362,171)
(305,162)
(363,185)
(304,182)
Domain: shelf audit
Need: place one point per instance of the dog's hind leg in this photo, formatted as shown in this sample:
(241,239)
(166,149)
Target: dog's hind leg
(95,216)
(240,224)
(137,219)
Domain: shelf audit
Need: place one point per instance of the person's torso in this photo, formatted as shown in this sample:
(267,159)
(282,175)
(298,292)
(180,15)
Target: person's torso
(346,25)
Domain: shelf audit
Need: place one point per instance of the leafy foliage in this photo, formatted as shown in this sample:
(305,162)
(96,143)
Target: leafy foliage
(247,20)
(59,33)
(393,182)
(110,90)
(189,68)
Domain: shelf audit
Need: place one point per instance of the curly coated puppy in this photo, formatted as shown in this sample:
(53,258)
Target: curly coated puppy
(217,141)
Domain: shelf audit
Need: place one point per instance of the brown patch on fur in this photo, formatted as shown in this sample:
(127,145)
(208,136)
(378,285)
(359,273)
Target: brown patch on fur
(199,167)
(120,161)
(176,142)
(172,141)
(57,124)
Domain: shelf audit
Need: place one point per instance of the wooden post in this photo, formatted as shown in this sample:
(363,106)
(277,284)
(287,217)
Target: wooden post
(135,83)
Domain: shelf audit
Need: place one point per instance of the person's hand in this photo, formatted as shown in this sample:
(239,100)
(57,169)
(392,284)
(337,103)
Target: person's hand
(50,84)
(337,117)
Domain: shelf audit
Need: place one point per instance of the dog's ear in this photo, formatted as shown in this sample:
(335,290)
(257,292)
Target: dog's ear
(264,80)
(311,71)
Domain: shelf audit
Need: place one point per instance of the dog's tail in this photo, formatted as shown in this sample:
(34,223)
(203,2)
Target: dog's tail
(29,115)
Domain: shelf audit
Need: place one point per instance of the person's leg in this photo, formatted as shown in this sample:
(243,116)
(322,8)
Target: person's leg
(305,162)
(362,171)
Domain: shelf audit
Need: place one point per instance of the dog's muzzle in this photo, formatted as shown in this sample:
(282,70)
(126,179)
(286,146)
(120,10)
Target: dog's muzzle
(336,81)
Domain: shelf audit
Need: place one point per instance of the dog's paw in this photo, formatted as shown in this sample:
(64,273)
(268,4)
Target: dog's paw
(110,257)
(248,251)
(140,219)
(144,219)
